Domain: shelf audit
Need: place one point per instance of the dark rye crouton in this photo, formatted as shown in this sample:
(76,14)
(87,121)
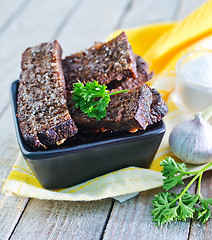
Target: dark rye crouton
(42,112)
(158,107)
(104,62)
(143,73)
(128,111)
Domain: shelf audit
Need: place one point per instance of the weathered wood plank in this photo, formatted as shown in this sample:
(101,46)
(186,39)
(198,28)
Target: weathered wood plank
(8,142)
(187,6)
(200,231)
(93,21)
(34,25)
(144,12)
(8,9)
(62,220)
(132,220)
(10,210)
(14,208)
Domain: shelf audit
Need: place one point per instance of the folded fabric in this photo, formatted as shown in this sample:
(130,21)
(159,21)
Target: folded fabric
(161,45)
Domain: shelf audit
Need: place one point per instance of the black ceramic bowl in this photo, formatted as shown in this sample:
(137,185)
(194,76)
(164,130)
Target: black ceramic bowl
(87,156)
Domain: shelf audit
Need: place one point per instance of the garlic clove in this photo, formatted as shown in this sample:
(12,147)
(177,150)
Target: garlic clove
(191,141)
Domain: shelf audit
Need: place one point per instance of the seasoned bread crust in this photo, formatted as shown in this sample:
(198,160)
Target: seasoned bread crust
(158,108)
(42,112)
(143,75)
(104,62)
(128,111)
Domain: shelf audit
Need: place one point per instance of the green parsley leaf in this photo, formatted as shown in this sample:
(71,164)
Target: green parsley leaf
(165,209)
(170,169)
(184,211)
(204,212)
(92,98)
(189,199)
(169,206)
(172,182)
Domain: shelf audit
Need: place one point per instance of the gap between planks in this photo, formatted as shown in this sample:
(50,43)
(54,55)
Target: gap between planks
(133,220)
(107,219)
(26,201)
(14,14)
(66,19)
(178,10)
(124,13)
(199,231)
(191,220)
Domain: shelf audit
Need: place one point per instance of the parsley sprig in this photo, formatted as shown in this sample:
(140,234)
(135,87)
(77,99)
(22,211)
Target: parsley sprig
(92,98)
(169,206)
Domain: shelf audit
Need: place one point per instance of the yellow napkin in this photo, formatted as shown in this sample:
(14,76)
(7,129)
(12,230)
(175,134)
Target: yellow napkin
(161,45)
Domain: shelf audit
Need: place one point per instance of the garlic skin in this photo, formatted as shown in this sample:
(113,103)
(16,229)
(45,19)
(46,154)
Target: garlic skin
(191,141)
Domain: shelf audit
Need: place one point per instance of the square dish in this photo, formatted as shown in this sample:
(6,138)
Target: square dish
(87,156)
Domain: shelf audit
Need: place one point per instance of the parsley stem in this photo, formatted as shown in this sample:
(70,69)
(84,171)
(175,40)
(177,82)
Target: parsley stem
(121,91)
(188,186)
(194,178)
(190,173)
(199,184)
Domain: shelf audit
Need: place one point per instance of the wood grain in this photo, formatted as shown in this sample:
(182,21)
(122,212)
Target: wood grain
(144,12)
(8,142)
(187,6)
(9,211)
(62,220)
(203,231)
(132,220)
(13,209)
(9,9)
(34,25)
(93,21)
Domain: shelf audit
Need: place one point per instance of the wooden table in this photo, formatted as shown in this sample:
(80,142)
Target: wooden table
(77,24)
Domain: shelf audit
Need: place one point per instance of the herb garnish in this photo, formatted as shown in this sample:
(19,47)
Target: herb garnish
(169,206)
(92,98)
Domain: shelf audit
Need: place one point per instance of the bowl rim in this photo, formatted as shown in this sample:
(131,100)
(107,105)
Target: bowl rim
(38,154)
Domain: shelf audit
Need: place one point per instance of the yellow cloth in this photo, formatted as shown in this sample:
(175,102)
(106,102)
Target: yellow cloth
(161,45)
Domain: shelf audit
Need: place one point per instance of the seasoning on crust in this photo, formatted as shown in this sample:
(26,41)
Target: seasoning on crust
(143,72)
(42,112)
(104,62)
(128,111)
(158,107)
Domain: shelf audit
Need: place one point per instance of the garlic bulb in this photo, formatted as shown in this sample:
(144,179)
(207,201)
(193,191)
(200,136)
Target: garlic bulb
(191,141)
